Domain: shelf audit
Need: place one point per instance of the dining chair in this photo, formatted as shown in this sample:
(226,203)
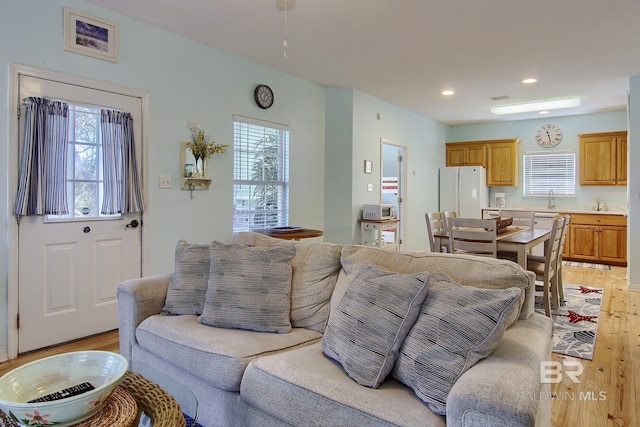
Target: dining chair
(436,223)
(525,219)
(567,220)
(521,219)
(546,270)
(450,214)
(473,236)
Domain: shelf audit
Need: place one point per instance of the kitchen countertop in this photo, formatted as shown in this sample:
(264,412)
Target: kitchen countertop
(552,212)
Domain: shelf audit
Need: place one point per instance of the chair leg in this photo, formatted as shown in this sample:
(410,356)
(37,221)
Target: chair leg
(555,301)
(547,302)
(560,285)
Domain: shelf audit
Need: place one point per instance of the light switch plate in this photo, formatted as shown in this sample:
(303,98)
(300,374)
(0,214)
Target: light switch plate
(369,187)
(165,181)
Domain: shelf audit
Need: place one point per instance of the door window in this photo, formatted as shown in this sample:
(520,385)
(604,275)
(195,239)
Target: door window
(84,165)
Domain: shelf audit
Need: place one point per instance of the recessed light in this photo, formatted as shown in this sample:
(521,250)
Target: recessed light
(447,92)
(550,104)
(529,81)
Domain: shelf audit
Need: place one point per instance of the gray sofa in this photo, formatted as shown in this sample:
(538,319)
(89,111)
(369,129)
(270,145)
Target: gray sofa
(247,378)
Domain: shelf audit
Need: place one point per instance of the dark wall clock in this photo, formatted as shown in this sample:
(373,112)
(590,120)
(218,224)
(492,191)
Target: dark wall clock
(263,96)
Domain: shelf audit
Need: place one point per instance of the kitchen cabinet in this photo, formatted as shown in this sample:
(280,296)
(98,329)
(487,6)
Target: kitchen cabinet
(460,154)
(499,157)
(603,158)
(597,238)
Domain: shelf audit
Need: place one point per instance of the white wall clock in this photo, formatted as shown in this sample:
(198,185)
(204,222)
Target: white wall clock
(549,135)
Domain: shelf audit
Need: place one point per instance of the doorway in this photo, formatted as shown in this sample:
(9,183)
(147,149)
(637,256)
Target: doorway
(67,268)
(393,183)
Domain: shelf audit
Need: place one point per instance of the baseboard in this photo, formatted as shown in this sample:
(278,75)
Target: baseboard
(634,287)
(4,355)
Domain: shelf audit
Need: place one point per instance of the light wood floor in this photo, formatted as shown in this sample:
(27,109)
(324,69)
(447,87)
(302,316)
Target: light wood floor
(614,372)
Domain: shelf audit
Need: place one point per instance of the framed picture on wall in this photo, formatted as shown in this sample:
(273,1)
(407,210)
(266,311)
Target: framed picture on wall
(368,166)
(90,35)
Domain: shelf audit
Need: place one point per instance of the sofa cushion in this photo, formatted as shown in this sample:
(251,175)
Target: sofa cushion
(372,320)
(457,327)
(188,283)
(315,269)
(480,272)
(249,288)
(303,387)
(217,355)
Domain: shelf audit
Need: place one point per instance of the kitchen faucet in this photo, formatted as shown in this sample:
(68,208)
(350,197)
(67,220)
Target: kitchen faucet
(551,205)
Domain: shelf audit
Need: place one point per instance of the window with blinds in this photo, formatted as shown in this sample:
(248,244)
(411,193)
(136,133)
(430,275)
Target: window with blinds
(544,171)
(260,174)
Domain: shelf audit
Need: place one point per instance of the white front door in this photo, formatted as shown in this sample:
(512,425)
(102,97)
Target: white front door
(69,267)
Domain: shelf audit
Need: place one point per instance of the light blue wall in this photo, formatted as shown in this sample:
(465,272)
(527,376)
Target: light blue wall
(185,80)
(424,141)
(571,126)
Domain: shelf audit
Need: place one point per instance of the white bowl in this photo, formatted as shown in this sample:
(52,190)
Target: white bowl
(103,369)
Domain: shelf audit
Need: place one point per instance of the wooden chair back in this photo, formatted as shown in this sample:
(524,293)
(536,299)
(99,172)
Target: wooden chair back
(473,236)
(435,224)
(567,220)
(523,219)
(548,273)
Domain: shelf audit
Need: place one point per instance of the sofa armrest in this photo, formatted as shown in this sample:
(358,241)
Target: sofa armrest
(137,300)
(505,389)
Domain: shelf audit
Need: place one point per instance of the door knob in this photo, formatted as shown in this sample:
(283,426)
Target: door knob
(133,224)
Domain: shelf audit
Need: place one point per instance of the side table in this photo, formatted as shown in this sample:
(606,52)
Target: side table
(380,226)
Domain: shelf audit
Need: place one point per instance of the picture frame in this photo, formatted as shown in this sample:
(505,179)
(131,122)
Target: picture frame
(368,166)
(91,36)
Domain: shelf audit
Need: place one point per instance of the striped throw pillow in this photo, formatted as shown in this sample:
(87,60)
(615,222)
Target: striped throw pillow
(371,321)
(249,288)
(457,327)
(188,283)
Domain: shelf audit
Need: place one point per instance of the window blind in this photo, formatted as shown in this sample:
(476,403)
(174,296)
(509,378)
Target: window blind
(544,171)
(261,174)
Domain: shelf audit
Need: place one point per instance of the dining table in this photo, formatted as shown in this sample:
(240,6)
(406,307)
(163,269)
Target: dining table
(289,233)
(517,239)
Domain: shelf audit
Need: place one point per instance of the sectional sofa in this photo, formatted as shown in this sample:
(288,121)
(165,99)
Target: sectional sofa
(358,336)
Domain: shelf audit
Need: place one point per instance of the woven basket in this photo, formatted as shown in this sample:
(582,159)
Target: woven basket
(161,408)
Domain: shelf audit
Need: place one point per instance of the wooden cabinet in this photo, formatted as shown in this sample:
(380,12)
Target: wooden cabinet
(603,158)
(597,238)
(499,157)
(466,155)
(502,166)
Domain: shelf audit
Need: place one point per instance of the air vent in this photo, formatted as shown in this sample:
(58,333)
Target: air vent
(500,98)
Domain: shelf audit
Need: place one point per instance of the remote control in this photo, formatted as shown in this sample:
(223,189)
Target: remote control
(67,392)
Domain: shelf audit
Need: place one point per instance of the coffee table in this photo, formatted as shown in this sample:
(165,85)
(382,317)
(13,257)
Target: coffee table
(139,400)
(163,400)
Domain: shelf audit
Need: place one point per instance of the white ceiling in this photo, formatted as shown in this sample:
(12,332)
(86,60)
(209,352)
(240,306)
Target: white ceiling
(406,51)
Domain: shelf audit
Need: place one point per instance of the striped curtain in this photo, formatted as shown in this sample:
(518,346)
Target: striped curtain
(43,167)
(121,178)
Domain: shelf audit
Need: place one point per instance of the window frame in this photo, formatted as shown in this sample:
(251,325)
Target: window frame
(249,219)
(564,185)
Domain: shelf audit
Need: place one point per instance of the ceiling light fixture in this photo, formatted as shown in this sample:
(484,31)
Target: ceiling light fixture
(543,112)
(284,6)
(551,104)
(447,92)
(529,81)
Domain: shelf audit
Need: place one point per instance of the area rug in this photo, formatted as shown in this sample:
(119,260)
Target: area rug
(576,320)
(586,265)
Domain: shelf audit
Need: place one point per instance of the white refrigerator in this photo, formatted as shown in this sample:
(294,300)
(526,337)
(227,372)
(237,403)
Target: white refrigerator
(464,190)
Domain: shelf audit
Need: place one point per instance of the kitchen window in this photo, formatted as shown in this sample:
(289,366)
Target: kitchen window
(545,171)
(260,174)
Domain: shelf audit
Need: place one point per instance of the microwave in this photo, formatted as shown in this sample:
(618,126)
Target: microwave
(378,212)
